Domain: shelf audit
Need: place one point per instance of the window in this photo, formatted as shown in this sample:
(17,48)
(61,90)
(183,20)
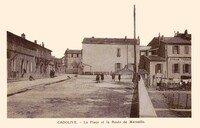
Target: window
(77,55)
(175,68)
(175,49)
(186,68)
(31,67)
(186,49)
(158,68)
(13,65)
(117,66)
(72,55)
(118,52)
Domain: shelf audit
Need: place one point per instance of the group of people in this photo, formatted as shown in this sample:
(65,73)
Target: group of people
(163,84)
(113,77)
(99,77)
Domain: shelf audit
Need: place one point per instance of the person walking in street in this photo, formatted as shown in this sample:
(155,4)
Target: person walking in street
(97,78)
(113,76)
(51,73)
(102,76)
(119,77)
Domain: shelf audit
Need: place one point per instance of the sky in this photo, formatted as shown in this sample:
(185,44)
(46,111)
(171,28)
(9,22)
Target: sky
(63,24)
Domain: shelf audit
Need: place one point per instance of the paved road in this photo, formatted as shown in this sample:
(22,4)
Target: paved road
(78,97)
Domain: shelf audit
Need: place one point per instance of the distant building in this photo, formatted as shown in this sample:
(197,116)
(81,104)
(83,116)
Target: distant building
(108,55)
(145,50)
(58,65)
(171,56)
(26,58)
(72,61)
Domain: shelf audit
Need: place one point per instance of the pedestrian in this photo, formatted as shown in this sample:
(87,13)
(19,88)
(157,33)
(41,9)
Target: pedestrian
(113,76)
(102,76)
(119,77)
(51,73)
(97,78)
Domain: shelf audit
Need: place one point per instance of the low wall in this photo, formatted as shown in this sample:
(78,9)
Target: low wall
(146,108)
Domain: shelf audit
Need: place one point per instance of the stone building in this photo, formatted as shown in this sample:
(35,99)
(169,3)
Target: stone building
(171,57)
(72,60)
(25,58)
(108,55)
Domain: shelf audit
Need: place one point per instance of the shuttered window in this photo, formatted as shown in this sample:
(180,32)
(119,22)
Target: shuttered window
(118,52)
(186,68)
(158,68)
(175,49)
(117,66)
(186,49)
(176,68)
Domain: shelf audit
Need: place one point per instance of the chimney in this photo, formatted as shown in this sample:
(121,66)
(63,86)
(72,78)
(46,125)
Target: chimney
(35,41)
(138,40)
(23,36)
(42,44)
(125,38)
(186,32)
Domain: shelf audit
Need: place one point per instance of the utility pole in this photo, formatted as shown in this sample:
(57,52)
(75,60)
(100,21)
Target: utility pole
(135,104)
(135,64)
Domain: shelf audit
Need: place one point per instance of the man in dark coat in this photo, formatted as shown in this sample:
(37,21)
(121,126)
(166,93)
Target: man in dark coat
(102,76)
(119,77)
(113,77)
(97,78)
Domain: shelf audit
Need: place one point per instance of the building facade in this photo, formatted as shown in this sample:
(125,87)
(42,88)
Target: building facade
(108,55)
(26,58)
(172,56)
(72,60)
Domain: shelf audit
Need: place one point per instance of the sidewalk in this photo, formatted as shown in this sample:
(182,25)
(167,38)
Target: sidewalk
(21,86)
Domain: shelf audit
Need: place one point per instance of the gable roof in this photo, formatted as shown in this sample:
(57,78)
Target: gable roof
(68,51)
(154,43)
(118,41)
(12,38)
(175,40)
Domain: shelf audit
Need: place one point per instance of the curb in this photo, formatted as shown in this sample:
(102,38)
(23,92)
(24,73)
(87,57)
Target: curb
(32,87)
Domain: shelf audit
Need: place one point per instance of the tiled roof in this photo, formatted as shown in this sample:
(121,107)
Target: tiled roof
(12,38)
(169,40)
(175,40)
(72,51)
(119,41)
(155,58)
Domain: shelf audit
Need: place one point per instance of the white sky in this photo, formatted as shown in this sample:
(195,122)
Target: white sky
(63,24)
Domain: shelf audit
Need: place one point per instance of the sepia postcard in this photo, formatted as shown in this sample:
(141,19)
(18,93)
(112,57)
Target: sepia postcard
(92,63)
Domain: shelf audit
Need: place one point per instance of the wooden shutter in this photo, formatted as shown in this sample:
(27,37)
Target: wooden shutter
(173,68)
(189,66)
(179,67)
(156,68)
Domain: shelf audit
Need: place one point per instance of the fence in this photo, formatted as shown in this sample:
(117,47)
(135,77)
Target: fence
(180,102)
